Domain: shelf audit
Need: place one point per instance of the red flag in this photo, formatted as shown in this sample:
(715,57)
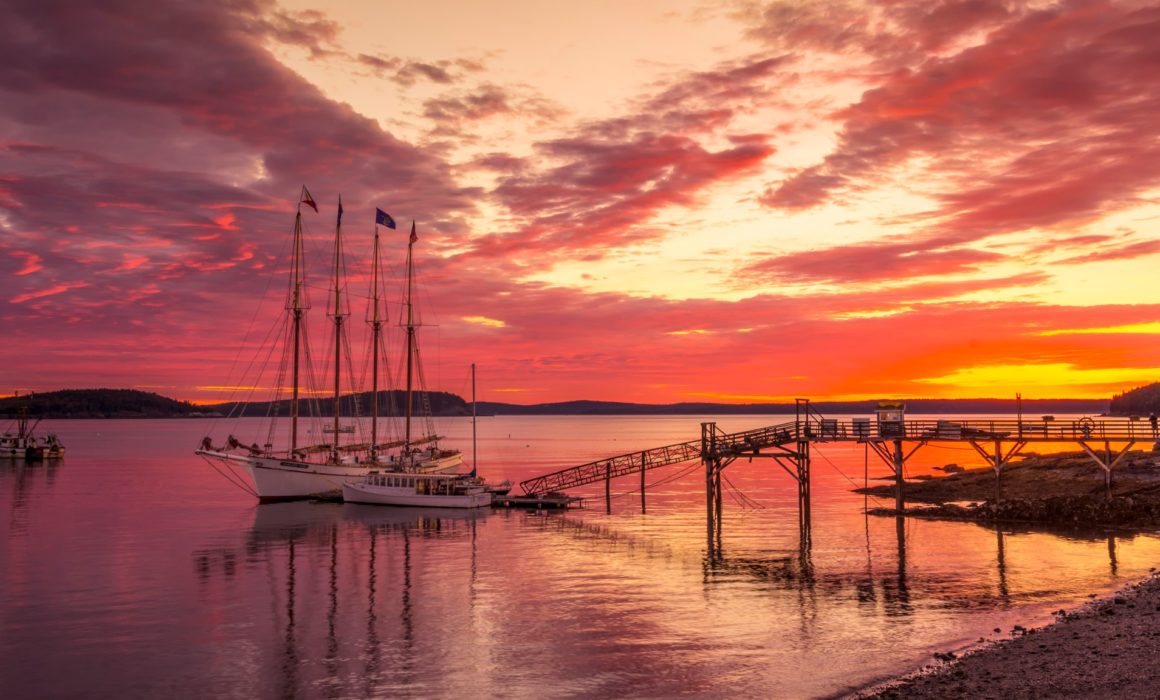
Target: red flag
(414,236)
(308,200)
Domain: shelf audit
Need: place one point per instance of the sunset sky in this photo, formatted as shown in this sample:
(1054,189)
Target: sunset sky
(630,201)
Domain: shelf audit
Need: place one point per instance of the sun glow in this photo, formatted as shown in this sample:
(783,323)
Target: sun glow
(1051,379)
(1131,328)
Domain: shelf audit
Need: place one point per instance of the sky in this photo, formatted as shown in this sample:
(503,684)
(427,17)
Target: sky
(625,201)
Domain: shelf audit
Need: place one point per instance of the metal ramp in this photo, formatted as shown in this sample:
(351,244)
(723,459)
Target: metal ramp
(633,462)
(611,467)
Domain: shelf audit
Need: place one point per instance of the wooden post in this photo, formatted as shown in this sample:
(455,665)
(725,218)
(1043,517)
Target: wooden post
(803,468)
(999,470)
(608,488)
(708,456)
(899,500)
(642,461)
(709,499)
(1108,459)
(717,493)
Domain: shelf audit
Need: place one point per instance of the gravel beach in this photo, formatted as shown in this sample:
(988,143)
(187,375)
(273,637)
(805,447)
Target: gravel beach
(1107,649)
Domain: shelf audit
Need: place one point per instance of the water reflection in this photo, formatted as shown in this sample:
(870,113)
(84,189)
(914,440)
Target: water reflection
(188,585)
(22,479)
(335,552)
(1001,561)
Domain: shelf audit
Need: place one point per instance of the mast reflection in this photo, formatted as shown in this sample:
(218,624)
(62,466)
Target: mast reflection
(302,548)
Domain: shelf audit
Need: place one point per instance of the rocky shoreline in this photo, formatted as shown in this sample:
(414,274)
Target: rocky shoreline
(1060,490)
(1104,650)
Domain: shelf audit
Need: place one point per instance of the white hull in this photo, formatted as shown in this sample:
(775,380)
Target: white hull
(444,465)
(433,465)
(283,479)
(362,492)
(9,452)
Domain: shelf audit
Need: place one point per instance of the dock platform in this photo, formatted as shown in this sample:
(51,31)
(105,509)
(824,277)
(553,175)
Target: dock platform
(556,501)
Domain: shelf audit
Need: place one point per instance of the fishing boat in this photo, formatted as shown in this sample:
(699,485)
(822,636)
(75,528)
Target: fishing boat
(418,489)
(299,470)
(23,443)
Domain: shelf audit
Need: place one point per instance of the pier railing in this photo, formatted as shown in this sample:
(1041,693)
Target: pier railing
(612,467)
(814,429)
(864,429)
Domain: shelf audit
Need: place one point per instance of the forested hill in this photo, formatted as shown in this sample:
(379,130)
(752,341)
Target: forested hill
(1138,402)
(129,403)
(97,403)
(913,406)
(391,403)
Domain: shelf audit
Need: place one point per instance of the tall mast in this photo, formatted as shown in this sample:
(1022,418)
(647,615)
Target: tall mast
(295,305)
(410,334)
(474,459)
(376,320)
(337,312)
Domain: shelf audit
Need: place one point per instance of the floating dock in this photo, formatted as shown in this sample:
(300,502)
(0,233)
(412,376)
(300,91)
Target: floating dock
(556,501)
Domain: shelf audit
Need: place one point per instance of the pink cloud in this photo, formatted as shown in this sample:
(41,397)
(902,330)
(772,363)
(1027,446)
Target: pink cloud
(1065,90)
(32,262)
(869,262)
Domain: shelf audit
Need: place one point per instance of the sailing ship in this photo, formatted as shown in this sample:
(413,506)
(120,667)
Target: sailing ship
(320,470)
(301,470)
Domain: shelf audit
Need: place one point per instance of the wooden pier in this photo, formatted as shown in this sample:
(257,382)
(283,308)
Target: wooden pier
(889,435)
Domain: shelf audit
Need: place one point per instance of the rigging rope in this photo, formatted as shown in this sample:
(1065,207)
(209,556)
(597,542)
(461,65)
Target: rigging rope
(660,482)
(847,478)
(232,478)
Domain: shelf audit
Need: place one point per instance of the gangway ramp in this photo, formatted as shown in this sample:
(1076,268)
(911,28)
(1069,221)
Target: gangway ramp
(643,460)
(612,467)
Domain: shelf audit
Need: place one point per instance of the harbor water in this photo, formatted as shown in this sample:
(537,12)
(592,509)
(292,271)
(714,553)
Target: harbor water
(132,569)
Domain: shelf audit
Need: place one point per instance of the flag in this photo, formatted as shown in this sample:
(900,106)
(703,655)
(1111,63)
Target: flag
(414,236)
(307,199)
(340,210)
(382,218)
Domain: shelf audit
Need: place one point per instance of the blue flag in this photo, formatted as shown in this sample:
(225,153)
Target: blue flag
(382,218)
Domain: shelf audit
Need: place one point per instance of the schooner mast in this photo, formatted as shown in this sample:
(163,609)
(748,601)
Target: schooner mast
(376,319)
(410,326)
(338,312)
(296,304)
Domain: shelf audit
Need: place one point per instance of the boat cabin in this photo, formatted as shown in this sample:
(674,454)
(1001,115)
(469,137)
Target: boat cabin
(421,484)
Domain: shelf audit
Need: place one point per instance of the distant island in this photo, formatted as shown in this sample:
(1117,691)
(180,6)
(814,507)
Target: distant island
(130,403)
(98,403)
(1138,402)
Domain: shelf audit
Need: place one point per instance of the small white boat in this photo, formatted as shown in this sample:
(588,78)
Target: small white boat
(417,489)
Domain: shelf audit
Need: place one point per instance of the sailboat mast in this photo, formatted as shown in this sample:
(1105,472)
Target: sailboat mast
(338,316)
(410,337)
(474,459)
(376,322)
(295,308)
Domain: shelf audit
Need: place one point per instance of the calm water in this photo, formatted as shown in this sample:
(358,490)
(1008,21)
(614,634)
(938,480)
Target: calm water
(131,569)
